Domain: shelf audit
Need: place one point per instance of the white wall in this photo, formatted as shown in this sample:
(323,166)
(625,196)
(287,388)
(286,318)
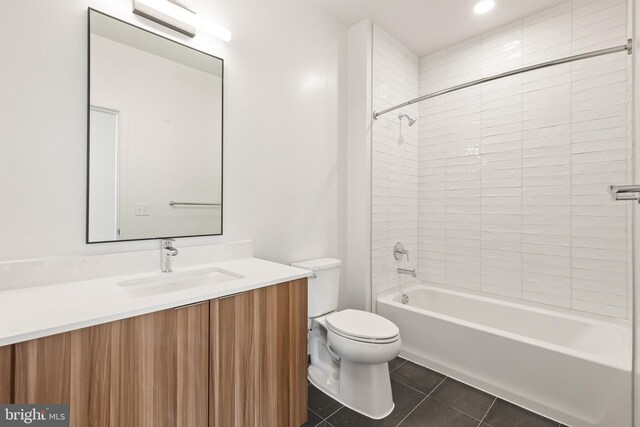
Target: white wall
(513,173)
(284,124)
(394,187)
(358,268)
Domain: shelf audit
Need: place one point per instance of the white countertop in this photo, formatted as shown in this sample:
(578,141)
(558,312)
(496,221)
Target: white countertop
(40,311)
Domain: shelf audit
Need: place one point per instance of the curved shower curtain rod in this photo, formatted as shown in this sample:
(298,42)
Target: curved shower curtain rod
(627,47)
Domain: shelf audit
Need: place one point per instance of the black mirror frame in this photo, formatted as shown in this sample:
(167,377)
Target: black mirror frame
(90,11)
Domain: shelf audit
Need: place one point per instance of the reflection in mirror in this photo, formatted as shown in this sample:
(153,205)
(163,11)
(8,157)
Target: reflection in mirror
(155,136)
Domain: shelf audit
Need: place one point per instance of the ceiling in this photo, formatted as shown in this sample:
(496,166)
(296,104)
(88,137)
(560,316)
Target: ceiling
(425,26)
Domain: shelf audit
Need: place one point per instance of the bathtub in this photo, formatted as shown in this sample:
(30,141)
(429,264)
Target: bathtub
(573,369)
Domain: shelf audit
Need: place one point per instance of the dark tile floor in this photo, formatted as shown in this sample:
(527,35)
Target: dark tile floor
(425,398)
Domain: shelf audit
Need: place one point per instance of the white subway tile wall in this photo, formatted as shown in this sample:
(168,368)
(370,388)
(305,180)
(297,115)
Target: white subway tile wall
(513,173)
(394,191)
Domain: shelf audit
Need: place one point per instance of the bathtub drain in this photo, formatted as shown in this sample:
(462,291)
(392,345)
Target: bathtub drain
(405,299)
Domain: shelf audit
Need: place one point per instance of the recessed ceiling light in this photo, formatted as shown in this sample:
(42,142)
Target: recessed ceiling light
(484,6)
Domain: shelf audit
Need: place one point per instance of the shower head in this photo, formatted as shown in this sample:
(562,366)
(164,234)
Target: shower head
(409,118)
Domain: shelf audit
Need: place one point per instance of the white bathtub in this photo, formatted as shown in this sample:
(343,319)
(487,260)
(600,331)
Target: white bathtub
(573,369)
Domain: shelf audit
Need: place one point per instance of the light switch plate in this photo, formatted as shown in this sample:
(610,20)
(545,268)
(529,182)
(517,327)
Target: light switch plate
(142,209)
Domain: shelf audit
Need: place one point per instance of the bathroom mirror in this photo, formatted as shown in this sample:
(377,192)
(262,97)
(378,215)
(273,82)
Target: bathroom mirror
(154,136)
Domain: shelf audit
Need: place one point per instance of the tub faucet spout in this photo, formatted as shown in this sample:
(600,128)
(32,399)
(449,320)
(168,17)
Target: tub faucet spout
(411,272)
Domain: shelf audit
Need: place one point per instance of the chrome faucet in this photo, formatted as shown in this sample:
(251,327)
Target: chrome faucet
(168,251)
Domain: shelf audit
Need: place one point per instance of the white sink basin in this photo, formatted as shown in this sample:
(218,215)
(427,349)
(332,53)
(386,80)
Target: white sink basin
(176,281)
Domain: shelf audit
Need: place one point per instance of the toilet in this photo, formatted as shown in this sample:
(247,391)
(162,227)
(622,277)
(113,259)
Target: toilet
(349,349)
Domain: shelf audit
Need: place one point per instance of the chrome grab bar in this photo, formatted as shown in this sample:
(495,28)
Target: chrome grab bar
(624,192)
(172,203)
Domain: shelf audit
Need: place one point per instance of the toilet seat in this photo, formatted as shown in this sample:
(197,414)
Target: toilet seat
(350,352)
(362,326)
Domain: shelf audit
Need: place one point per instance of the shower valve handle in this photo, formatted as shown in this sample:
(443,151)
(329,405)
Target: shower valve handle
(399,251)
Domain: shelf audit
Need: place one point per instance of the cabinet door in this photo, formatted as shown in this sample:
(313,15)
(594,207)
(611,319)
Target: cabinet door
(283,362)
(42,372)
(258,357)
(160,368)
(90,385)
(6,357)
(234,360)
(70,368)
(150,370)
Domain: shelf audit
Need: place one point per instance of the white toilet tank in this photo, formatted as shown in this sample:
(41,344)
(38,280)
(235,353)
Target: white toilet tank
(324,289)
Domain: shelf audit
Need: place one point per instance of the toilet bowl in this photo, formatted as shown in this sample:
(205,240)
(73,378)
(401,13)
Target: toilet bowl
(352,366)
(349,349)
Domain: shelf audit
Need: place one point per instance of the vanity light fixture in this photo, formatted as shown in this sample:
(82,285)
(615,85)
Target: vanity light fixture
(176,16)
(484,6)
(167,13)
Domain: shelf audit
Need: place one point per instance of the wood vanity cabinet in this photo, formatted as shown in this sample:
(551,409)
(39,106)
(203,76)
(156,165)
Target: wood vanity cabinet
(259,357)
(233,361)
(149,370)
(6,359)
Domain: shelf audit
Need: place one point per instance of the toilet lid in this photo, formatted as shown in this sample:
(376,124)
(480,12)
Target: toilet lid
(362,324)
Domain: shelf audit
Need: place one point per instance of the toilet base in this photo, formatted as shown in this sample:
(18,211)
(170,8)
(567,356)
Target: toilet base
(363,388)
